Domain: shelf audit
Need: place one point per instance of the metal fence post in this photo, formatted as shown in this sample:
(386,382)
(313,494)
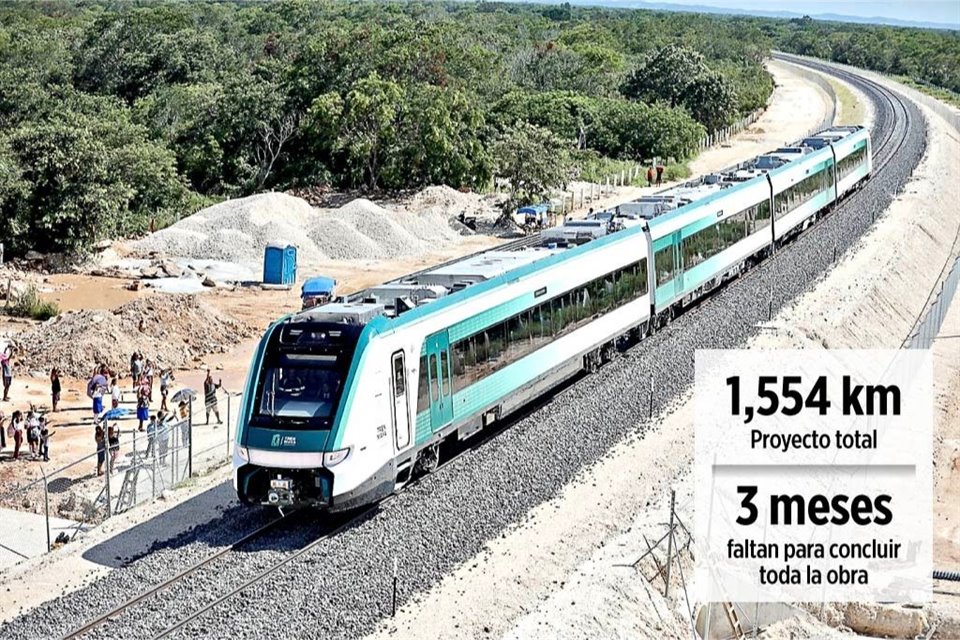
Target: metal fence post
(153,460)
(673,499)
(175,453)
(190,442)
(46,505)
(106,453)
(228,423)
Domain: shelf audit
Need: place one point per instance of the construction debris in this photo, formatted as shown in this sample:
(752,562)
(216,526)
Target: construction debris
(173,330)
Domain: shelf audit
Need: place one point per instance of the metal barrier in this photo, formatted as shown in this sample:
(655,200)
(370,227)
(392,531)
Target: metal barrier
(928,328)
(145,465)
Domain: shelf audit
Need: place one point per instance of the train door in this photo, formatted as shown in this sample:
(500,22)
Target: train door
(401,415)
(441,392)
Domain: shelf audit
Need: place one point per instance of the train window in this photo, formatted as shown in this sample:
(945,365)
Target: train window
(479,355)
(761,216)
(399,378)
(663,260)
(423,394)
(641,283)
(434,392)
(496,343)
(444,373)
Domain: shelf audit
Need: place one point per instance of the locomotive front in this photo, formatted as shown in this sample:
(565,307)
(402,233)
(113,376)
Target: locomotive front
(283,454)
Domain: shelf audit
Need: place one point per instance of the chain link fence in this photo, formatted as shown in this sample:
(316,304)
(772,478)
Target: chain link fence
(138,468)
(926,331)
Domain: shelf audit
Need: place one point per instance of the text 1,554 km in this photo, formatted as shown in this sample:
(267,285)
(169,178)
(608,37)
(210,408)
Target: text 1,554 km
(789,395)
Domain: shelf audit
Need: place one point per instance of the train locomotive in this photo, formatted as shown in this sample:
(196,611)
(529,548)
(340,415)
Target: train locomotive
(348,401)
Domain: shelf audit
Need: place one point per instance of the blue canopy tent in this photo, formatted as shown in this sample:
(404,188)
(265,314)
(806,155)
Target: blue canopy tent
(535,213)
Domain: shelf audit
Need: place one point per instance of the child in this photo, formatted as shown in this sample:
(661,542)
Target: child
(101,449)
(55,388)
(114,393)
(113,437)
(45,434)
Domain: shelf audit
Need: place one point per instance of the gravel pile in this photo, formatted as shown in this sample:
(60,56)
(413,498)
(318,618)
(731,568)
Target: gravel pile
(238,230)
(344,587)
(172,330)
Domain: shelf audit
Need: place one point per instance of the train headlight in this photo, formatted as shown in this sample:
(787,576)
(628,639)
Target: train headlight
(243,453)
(333,458)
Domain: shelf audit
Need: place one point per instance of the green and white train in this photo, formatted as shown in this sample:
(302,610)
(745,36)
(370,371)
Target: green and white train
(347,401)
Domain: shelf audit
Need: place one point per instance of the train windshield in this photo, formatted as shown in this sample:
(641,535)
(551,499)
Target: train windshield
(302,376)
(302,390)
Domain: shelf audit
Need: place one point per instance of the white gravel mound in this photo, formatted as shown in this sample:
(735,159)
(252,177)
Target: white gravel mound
(238,230)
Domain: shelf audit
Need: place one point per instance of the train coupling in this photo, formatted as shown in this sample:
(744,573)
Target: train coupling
(282,492)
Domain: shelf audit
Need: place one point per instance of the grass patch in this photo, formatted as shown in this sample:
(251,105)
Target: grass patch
(27,304)
(852,109)
(944,95)
(671,173)
(596,168)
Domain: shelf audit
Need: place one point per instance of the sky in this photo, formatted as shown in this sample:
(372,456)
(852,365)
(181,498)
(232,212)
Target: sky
(945,12)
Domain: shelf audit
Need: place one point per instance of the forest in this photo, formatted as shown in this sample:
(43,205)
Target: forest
(119,116)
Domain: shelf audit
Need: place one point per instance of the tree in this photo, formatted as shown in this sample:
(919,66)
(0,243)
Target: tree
(665,75)
(532,159)
(84,177)
(363,124)
(438,140)
(711,100)
(680,77)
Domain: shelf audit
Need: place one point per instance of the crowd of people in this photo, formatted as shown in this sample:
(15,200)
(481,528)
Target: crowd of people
(31,425)
(34,427)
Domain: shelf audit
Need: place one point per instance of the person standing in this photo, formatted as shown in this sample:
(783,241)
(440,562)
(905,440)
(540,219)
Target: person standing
(152,434)
(45,434)
(659,174)
(3,431)
(143,405)
(16,432)
(6,370)
(136,368)
(650,176)
(113,437)
(101,449)
(33,434)
(115,394)
(166,377)
(148,371)
(55,388)
(95,390)
(210,396)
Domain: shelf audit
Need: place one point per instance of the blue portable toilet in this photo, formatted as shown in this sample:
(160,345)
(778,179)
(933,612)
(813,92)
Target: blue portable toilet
(280,264)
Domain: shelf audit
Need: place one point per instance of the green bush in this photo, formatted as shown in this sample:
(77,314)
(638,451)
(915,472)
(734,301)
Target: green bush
(27,304)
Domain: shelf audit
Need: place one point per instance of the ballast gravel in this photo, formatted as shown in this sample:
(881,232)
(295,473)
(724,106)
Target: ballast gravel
(344,586)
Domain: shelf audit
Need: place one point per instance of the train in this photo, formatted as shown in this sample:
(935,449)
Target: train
(345,403)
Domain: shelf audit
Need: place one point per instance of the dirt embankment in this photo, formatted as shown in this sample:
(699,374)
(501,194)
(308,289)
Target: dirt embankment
(171,330)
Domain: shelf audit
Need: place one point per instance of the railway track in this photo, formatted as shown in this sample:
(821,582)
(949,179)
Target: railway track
(339,524)
(891,146)
(891,125)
